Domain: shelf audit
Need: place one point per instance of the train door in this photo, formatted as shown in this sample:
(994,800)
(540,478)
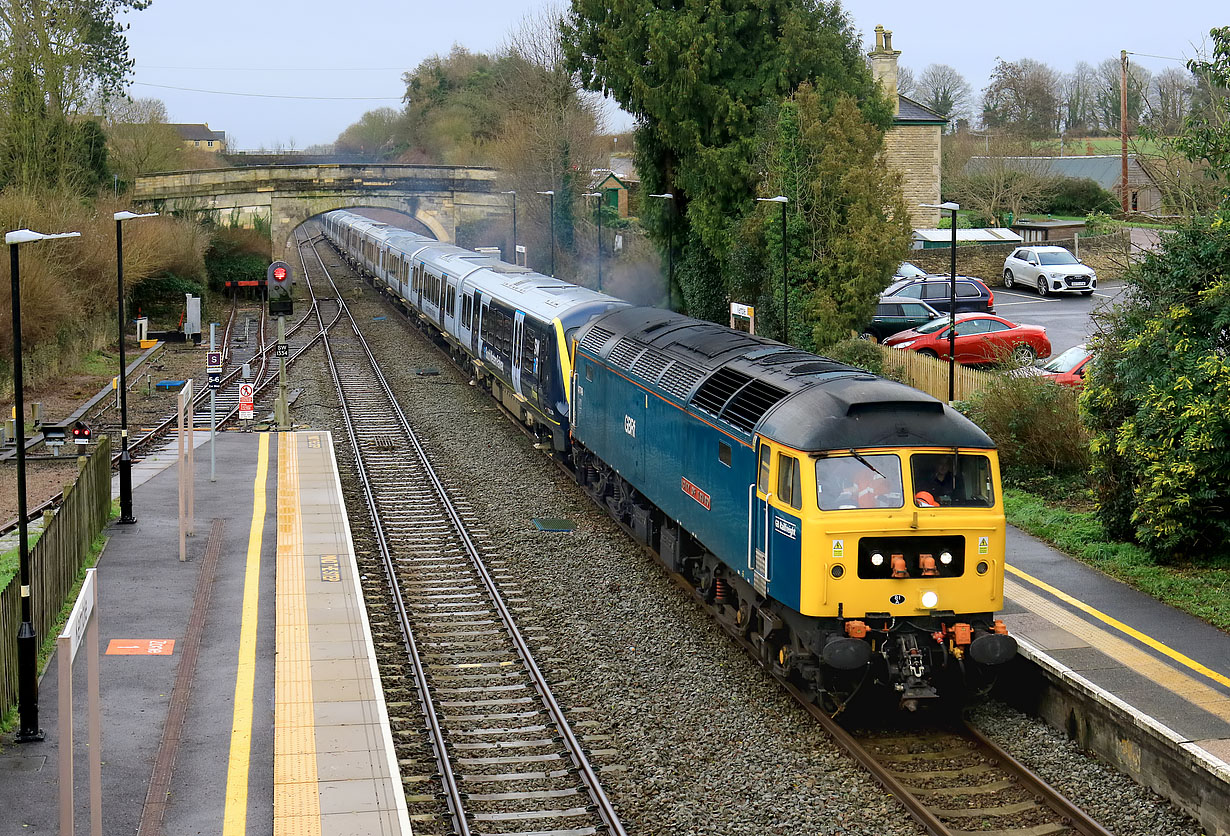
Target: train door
(759,495)
(465,318)
(449,317)
(518,350)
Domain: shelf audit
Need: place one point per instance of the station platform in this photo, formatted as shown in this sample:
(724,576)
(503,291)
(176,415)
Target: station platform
(239,688)
(1126,654)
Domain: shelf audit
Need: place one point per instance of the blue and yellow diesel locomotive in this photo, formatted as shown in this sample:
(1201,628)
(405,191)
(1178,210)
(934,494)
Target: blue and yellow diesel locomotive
(850,527)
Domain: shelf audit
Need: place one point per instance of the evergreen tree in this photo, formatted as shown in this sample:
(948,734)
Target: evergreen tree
(700,79)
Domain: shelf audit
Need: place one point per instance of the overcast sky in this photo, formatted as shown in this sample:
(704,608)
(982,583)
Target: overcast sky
(355,52)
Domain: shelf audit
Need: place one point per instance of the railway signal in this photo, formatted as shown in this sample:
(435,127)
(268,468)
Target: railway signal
(278,280)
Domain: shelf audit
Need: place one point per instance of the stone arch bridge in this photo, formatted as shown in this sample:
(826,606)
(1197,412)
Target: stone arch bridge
(442,198)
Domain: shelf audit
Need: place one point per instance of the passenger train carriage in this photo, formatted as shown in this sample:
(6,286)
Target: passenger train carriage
(850,527)
(511,323)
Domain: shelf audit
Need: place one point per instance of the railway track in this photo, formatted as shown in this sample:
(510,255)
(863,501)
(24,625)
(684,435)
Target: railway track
(497,755)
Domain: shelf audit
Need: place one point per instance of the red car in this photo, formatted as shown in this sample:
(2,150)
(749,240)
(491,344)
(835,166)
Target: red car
(981,338)
(1067,368)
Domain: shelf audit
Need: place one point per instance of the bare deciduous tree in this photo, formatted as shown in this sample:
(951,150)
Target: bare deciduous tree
(944,90)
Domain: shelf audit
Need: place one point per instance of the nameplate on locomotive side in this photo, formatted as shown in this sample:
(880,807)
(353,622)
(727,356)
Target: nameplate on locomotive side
(696,493)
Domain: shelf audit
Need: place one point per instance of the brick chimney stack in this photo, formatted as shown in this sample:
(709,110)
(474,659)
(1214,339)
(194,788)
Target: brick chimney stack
(884,65)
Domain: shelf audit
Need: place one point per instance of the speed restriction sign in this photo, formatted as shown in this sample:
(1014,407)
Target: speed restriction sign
(245,401)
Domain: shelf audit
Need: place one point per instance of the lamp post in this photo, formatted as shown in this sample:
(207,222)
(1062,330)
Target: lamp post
(27,642)
(126,516)
(785,281)
(952,297)
(670,247)
(513,192)
(598,212)
(551,194)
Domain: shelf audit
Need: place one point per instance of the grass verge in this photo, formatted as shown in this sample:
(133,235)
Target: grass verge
(10,560)
(1194,587)
(48,646)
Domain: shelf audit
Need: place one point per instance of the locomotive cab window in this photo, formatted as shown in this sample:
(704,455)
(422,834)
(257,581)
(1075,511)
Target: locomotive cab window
(844,482)
(762,477)
(724,453)
(789,490)
(948,479)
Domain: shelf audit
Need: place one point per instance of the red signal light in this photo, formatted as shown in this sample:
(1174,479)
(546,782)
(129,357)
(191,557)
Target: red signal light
(279,274)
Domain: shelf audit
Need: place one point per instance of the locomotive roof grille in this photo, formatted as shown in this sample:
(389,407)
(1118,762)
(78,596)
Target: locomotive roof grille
(750,404)
(718,389)
(596,338)
(650,364)
(625,352)
(679,378)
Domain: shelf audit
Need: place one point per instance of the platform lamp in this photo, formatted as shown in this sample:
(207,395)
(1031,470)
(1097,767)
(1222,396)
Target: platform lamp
(785,282)
(551,194)
(670,247)
(952,208)
(126,516)
(599,213)
(513,192)
(27,642)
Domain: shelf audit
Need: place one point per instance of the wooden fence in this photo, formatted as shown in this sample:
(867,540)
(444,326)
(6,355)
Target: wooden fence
(55,562)
(931,374)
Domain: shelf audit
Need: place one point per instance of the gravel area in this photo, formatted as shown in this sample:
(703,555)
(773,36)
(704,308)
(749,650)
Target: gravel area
(691,736)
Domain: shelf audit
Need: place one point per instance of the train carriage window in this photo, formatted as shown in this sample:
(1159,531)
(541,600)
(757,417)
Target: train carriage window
(724,453)
(467,310)
(589,371)
(450,307)
(952,480)
(867,481)
(788,488)
(762,478)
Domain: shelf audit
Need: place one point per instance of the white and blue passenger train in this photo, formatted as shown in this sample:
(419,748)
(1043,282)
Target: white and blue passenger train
(514,325)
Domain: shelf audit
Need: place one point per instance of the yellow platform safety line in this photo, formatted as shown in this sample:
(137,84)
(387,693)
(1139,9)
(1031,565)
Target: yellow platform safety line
(296,798)
(235,817)
(1149,641)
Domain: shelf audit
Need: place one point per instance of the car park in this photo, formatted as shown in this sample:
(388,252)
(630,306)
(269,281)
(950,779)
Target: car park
(980,338)
(972,294)
(899,313)
(1049,269)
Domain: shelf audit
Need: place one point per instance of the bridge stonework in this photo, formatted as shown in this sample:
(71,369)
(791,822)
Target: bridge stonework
(439,197)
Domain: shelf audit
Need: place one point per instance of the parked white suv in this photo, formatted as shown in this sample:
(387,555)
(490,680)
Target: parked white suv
(1049,270)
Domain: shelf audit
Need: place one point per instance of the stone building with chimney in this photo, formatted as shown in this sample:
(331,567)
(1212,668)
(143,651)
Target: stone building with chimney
(912,145)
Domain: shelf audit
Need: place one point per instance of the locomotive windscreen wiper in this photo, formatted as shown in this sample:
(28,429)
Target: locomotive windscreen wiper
(867,464)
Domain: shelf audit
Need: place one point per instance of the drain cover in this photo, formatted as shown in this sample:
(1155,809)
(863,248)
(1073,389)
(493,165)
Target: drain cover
(553,524)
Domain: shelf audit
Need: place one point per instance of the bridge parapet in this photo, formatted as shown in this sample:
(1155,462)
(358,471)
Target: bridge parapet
(287,195)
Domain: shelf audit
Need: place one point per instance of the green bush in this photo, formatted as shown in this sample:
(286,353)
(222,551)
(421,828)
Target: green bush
(161,298)
(236,254)
(1072,196)
(1100,223)
(862,353)
(1156,398)
(1035,424)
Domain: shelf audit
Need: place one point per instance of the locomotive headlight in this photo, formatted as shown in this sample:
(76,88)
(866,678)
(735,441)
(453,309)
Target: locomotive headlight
(945,558)
(930,599)
(877,559)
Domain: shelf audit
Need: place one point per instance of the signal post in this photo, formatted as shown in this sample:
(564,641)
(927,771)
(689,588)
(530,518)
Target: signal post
(278,280)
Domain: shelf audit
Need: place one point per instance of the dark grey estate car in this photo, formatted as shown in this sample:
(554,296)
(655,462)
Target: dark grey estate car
(899,313)
(972,294)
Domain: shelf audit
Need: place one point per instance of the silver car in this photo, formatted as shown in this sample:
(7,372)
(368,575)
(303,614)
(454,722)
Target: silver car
(1049,270)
